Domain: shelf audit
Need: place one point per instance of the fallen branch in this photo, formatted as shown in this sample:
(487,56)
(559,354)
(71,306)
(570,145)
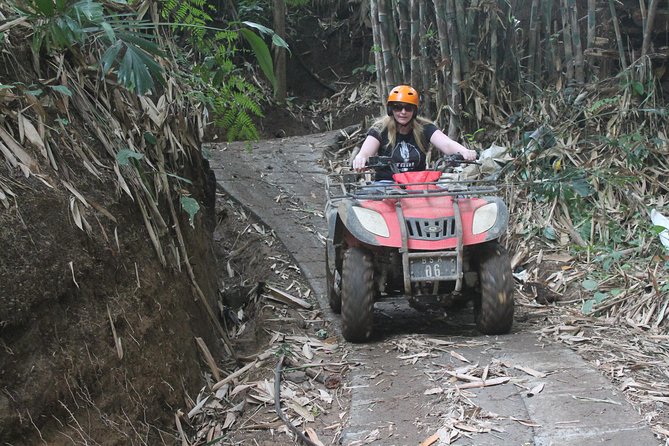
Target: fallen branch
(288,299)
(234,375)
(486,383)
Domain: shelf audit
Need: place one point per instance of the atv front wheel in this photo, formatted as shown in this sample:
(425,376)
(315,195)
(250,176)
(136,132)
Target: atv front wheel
(334,292)
(493,309)
(357,295)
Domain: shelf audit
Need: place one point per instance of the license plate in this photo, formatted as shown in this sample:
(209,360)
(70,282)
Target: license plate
(433,268)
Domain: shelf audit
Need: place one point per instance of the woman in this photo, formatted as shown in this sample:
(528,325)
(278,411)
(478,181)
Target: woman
(404,136)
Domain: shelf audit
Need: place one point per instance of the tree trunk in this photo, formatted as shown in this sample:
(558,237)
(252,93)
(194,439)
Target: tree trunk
(280,52)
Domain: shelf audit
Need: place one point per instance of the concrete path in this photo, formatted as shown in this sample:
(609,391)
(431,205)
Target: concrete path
(403,391)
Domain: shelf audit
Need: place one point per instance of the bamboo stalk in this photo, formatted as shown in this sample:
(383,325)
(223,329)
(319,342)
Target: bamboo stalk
(619,38)
(439,10)
(592,22)
(567,40)
(492,88)
(378,59)
(442,85)
(552,60)
(404,38)
(426,97)
(533,42)
(455,69)
(384,24)
(648,27)
(415,45)
(394,36)
(579,63)
(463,33)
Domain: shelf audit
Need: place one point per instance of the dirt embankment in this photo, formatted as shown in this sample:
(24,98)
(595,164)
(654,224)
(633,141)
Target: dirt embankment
(97,337)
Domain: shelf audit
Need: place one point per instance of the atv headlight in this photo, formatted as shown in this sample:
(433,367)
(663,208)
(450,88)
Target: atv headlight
(484,218)
(372,221)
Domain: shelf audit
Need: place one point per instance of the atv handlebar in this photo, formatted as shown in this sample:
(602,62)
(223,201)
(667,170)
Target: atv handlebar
(443,163)
(451,161)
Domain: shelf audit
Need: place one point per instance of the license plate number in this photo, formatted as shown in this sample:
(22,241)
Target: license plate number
(433,268)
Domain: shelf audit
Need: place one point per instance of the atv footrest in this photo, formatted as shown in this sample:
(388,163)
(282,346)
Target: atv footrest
(433,266)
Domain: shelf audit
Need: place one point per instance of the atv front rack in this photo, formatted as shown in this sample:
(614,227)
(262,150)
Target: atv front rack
(354,185)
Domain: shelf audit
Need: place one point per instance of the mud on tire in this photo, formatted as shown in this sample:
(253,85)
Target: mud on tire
(493,309)
(357,295)
(334,295)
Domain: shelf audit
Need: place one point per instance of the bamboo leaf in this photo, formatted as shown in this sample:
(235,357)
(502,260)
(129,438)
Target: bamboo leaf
(582,187)
(191,206)
(123,156)
(590,285)
(62,89)
(587,306)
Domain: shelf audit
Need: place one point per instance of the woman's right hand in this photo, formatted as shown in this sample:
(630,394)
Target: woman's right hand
(359,162)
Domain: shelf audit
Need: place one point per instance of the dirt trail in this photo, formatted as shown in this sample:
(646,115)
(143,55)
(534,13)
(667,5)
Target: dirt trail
(404,389)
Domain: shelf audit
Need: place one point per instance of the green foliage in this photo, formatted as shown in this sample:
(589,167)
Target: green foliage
(367,69)
(597,297)
(124,156)
(602,103)
(471,137)
(62,89)
(221,83)
(188,14)
(634,146)
(191,207)
(262,53)
(127,43)
(237,115)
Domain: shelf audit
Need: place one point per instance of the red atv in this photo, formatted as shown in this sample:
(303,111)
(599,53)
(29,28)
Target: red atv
(432,239)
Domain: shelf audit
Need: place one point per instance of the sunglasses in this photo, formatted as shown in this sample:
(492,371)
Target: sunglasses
(400,107)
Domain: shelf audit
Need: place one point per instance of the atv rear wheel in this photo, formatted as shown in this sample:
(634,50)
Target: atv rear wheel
(357,295)
(334,292)
(493,309)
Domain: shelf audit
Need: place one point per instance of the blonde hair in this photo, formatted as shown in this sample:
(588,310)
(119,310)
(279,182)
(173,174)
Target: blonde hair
(417,125)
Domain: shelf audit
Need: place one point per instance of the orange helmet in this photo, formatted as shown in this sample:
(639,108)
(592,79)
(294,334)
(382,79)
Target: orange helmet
(405,94)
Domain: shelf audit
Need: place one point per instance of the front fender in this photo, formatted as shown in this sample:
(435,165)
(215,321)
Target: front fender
(501,222)
(346,213)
